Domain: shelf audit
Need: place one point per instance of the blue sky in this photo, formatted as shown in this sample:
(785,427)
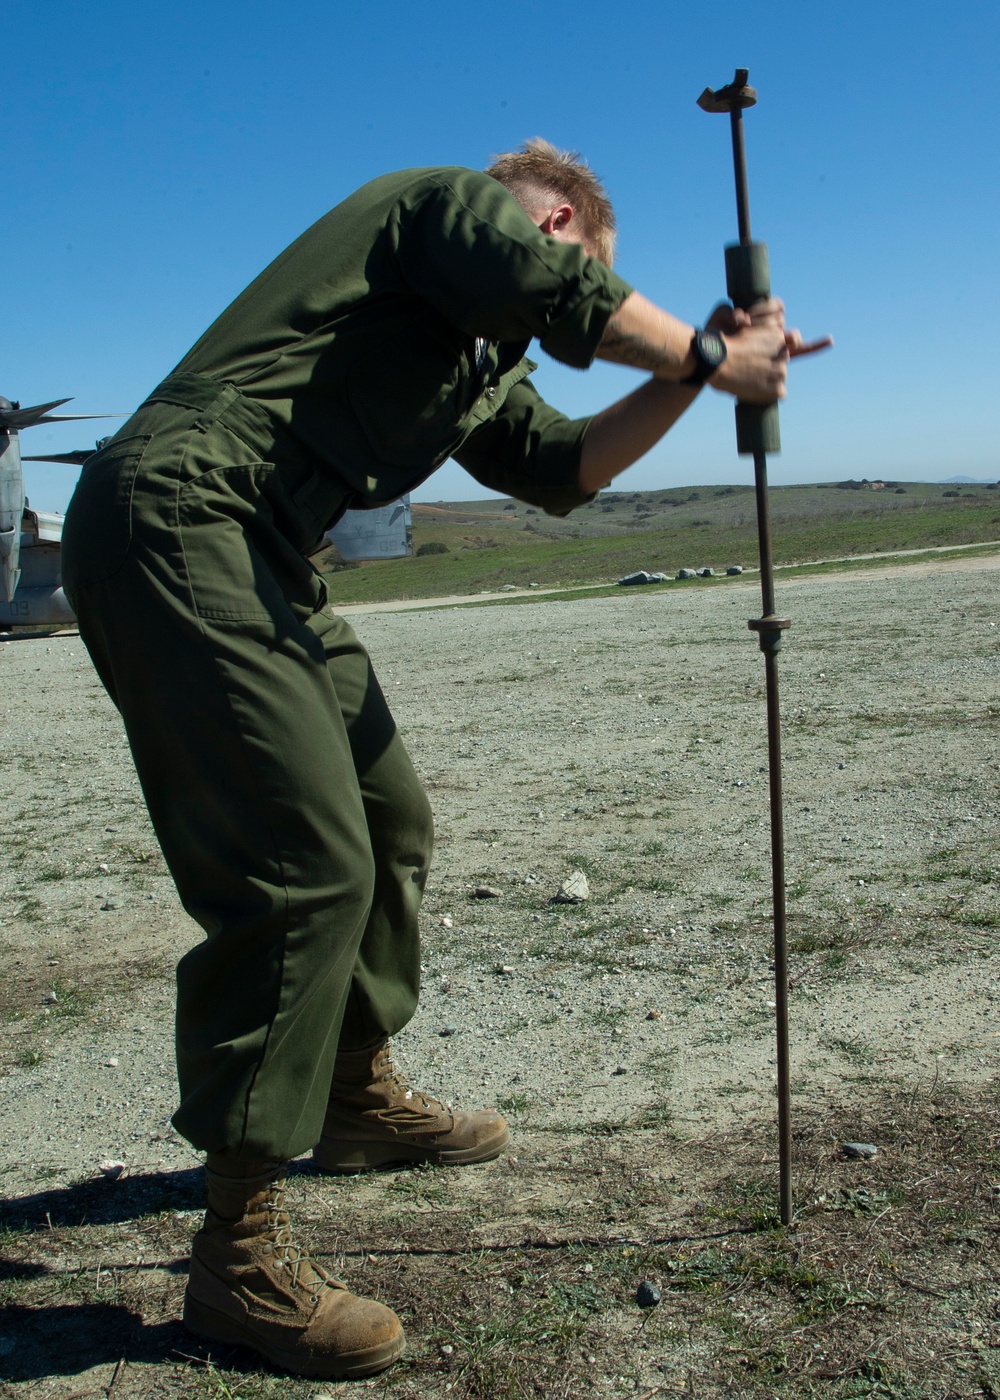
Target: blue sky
(158,157)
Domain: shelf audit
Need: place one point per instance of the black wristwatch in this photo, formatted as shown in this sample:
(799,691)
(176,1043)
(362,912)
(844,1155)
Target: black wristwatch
(710,351)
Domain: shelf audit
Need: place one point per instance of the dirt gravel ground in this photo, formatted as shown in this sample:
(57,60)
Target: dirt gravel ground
(622,736)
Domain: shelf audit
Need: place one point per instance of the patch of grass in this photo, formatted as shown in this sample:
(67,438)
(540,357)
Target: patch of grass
(72,1000)
(854,1048)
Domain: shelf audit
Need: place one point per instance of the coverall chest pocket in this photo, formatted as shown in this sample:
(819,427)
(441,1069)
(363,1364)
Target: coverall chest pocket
(240,567)
(97,534)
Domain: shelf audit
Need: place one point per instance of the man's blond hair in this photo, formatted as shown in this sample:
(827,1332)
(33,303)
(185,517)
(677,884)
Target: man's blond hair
(539,172)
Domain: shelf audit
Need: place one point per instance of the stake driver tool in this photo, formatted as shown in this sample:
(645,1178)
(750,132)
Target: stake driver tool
(748,281)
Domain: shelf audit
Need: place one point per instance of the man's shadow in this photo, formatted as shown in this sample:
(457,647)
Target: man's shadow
(40,1340)
(63,1339)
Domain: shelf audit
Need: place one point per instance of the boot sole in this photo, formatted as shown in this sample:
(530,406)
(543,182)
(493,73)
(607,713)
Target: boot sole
(217,1327)
(346,1159)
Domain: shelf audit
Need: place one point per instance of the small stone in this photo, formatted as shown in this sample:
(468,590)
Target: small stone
(111,1170)
(49,999)
(640,576)
(448,1030)
(706,573)
(445,1349)
(485,892)
(652,1015)
(865,1150)
(103,867)
(446,922)
(573,890)
(621,1069)
(111,1064)
(109,904)
(646,1295)
(734,569)
(686,573)
(505,970)
(508,588)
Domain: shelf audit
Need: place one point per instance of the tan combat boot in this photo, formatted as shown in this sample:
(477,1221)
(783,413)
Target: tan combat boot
(251,1286)
(374,1119)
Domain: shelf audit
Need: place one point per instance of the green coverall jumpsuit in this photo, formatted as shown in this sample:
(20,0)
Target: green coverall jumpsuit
(286,806)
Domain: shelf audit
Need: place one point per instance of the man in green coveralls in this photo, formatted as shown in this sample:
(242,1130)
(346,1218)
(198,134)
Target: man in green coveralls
(389,337)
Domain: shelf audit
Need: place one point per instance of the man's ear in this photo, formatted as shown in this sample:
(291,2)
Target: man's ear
(557,220)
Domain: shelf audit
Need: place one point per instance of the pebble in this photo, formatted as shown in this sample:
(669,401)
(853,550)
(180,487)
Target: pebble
(485,892)
(110,904)
(621,1069)
(111,1064)
(448,1030)
(445,1349)
(865,1150)
(446,922)
(646,1295)
(49,999)
(505,970)
(573,890)
(111,1170)
(103,867)
(652,1015)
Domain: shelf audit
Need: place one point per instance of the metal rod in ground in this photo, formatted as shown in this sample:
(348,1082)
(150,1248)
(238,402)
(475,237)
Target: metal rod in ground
(767,637)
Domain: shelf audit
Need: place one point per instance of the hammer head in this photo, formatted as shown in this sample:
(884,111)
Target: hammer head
(731,97)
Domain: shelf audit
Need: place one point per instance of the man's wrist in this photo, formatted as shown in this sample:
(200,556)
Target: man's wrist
(706,355)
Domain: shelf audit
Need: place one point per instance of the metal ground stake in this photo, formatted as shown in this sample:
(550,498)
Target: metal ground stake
(757,433)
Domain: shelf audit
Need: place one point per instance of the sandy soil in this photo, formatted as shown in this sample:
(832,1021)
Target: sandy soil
(621,735)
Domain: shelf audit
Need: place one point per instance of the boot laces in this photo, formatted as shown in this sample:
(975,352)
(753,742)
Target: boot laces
(391,1071)
(291,1256)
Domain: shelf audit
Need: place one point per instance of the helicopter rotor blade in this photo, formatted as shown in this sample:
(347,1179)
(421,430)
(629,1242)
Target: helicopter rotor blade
(70,459)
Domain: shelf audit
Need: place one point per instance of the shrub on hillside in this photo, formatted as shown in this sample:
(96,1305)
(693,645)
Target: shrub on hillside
(433,547)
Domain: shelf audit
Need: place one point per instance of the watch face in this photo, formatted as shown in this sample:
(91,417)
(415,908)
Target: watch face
(711,347)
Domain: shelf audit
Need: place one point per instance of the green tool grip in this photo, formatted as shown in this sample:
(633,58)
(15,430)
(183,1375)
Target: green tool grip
(748,280)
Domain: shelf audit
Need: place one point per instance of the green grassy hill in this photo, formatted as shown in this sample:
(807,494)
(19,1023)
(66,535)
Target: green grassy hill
(496,542)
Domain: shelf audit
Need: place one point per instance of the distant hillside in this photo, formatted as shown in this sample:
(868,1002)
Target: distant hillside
(483,545)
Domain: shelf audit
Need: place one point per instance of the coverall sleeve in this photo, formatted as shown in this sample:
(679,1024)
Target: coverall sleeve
(467,247)
(530,451)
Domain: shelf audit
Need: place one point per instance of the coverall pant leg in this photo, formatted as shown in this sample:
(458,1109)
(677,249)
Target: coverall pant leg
(286,806)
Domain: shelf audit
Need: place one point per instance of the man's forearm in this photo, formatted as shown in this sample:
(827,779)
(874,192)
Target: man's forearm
(626,430)
(641,335)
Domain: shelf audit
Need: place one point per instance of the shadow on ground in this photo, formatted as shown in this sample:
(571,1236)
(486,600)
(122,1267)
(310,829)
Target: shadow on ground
(104,1202)
(66,1340)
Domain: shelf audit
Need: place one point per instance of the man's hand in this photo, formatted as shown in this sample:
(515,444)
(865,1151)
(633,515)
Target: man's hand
(760,346)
